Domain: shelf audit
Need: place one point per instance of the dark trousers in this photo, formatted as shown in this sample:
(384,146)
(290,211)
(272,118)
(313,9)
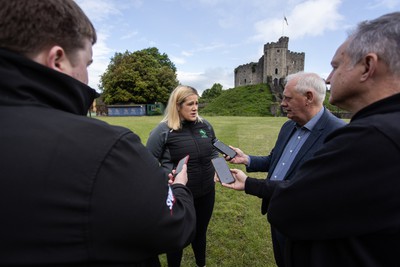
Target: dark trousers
(279,244)
(204,206)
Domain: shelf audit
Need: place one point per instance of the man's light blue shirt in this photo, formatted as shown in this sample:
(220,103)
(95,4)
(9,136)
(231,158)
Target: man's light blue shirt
(292,148)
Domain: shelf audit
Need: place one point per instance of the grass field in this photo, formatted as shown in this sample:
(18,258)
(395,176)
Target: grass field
(238,234)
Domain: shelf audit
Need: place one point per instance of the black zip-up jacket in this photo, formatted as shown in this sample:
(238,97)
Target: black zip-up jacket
(194,139)
(74,190)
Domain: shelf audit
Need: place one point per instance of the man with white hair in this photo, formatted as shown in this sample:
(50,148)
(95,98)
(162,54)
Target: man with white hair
(310,123)
(342,206)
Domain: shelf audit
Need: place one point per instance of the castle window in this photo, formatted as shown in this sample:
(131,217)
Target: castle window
(276,71)
(278,51)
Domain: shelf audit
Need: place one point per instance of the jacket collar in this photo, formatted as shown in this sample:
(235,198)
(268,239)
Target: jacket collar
(24,82)
(387,105)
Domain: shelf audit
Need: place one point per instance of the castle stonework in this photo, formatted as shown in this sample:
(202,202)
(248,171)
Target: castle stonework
(276,63)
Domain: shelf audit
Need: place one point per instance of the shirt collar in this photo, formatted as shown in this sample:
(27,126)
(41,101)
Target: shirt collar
(311,123)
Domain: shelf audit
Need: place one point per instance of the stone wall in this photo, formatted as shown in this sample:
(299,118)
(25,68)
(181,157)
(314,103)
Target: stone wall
(250,73)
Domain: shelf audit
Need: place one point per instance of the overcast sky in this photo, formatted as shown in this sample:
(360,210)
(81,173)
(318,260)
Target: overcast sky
(208,39)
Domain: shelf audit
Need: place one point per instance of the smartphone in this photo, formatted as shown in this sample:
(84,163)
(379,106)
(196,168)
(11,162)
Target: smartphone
(224,149)
(180,165)
(222,169)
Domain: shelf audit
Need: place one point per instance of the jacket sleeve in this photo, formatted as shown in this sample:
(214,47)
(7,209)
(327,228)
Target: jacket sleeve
(259,163)
(156,143)
(261,188)
(134,212)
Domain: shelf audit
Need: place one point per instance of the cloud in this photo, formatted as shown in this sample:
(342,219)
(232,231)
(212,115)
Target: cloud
(136,3)
(194,79)
(177,60)
(129,35)
(98,10)
(201,48)
(390,4)
(309,18)
(187,53)
(205,80)
(210,47)
(101,59)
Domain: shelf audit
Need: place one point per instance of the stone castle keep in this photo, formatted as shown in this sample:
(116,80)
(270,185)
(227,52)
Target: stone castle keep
(276,63)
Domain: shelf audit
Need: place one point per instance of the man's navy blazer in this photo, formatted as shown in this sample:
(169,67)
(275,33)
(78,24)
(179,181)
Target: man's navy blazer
(325,125)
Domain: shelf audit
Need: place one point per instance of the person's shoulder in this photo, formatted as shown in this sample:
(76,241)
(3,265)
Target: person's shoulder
(287,127)
(205,122)
(160,132)
(161,127)
(96,132)
(75,123)
(288,123)
(103,128)
(334,119)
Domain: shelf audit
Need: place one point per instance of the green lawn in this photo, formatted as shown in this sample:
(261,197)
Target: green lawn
(238,234)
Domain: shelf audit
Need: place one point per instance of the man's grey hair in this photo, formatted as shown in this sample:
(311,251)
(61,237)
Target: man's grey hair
(380,36)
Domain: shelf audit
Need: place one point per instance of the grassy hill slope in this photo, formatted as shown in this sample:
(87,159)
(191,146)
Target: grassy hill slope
(250,100)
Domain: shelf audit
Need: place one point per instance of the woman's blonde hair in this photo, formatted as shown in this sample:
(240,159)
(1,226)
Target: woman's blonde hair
(176,99)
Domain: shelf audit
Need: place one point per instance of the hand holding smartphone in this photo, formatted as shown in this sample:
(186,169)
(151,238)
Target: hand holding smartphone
(224,149)
(222,169)
(180,165)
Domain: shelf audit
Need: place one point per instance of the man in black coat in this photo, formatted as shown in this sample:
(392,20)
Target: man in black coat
(74,191)
(342,206)
(298,138)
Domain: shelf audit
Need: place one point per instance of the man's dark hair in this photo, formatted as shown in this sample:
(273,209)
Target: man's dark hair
(29,26)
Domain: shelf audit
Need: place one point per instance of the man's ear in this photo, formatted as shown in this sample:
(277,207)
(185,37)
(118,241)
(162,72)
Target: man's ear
(369,62)
(56,59)
(309,96)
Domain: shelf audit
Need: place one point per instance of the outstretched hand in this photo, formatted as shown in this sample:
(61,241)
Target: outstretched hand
(240,158)
(240,180)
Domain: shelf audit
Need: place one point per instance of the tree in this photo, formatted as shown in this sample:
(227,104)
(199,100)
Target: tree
(141,77)
(209,94)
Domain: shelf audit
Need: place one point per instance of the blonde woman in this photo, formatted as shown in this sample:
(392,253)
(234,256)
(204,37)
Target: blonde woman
(183,132)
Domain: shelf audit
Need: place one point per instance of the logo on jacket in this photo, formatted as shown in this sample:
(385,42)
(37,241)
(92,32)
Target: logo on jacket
(170,199)
(203,133)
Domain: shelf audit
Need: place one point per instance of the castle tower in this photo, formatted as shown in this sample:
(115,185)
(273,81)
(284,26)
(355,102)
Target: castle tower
(275,58)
